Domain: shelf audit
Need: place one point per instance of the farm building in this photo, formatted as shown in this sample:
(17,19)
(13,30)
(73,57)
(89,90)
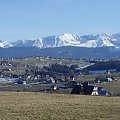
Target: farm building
(104,79)
(87,89)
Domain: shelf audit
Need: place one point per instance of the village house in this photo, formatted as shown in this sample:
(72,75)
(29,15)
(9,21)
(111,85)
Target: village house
(87,89)
(103,79)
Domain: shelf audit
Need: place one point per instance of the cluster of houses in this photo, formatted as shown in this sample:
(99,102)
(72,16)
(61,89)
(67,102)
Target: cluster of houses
(89,89)
(103,79)
(82,88)
(76,88)
(34,75)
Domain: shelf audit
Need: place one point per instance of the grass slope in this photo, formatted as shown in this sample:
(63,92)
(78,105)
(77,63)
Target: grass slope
(36,106)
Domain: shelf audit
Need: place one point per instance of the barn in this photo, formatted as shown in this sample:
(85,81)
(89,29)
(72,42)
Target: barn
(87,89)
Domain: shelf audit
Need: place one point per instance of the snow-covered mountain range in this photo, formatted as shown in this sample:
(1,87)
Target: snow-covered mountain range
(89,41)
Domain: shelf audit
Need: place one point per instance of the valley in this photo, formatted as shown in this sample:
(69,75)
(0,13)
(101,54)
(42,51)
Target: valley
(41,74)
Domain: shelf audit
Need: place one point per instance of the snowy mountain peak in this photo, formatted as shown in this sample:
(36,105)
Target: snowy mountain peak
(105,36)
(5,44)
(38,43)
(23,43)
(69,36)
(67,39)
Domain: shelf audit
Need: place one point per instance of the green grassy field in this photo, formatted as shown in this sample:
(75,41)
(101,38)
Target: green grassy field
(38,106)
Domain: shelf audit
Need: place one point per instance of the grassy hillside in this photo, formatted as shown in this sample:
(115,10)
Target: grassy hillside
(36,106)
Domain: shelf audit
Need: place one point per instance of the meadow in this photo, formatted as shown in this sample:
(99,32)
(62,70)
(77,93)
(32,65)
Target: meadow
(44,106)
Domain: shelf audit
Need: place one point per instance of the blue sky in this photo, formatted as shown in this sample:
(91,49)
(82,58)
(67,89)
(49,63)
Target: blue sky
(31,19)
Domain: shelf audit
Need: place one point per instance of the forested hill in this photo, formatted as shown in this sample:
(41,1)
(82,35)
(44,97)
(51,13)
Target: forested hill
(66,52)
(105,66)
